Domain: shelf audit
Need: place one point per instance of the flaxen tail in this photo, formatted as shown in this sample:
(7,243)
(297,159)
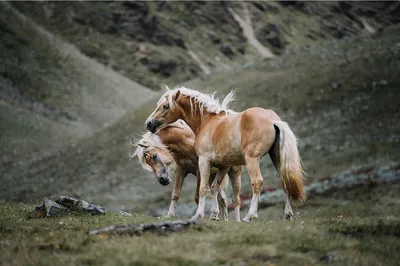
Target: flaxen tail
(290,167)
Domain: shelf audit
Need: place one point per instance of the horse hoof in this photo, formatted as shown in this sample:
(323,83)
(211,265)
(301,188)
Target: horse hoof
(214,216)
(250,218)
(195,218)
(289,216)
(225,219)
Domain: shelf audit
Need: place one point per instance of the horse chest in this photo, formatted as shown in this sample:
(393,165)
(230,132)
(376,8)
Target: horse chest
(187,164)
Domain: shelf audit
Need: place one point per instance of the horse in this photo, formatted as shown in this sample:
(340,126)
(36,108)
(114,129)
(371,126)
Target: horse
(226,138)
(175,142)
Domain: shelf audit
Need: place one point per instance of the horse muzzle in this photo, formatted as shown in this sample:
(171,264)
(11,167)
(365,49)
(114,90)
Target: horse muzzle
(164,181)
(152,125)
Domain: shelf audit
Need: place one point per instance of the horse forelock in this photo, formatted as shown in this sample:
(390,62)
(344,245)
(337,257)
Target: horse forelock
(206,102)
(154,141)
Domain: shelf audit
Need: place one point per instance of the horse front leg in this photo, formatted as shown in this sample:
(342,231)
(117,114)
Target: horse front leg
(178,182)
(204,168)
(196,197)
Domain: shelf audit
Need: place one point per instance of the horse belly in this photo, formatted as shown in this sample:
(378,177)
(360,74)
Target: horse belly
(226,144)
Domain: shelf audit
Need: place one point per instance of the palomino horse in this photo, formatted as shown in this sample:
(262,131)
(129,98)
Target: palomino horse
(226,138)
(175,142)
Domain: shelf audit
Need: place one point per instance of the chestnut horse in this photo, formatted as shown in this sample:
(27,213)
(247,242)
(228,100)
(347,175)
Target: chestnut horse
(175,142)
(225,138)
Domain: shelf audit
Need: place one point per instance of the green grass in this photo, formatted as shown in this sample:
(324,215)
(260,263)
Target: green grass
(360,227)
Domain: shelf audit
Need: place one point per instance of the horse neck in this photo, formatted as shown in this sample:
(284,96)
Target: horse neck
(177,140)
(195,119)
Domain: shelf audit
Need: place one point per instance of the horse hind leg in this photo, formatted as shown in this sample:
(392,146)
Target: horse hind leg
(274,154)
(222,204)
(215,191)
(253,168)
(288,213)
(235,175)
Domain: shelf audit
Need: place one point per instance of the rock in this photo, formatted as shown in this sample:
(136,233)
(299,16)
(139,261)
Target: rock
(293,4)
(125,213)
(269,34)
(164,68)
(249,66)
(242,50)
(328,258)
(80,205)
(149,23)
(227,50)
(49,208)
(131,229)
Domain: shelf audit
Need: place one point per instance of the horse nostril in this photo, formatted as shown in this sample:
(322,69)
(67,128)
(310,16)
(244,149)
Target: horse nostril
(148,123)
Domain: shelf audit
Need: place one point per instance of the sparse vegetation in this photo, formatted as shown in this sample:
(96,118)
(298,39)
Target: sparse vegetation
(51,90)
(360,227)
(67,113)
(148,41)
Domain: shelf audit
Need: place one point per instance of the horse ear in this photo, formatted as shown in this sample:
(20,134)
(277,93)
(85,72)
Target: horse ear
(177,94)
(144,145)
(166,88)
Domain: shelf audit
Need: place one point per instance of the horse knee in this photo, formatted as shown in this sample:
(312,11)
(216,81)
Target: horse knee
(222,200)
(237,202)
(257,185)
(214,189)
(175,197)
(204,190)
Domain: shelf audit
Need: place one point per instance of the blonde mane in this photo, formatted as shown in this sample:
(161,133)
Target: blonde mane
(154,141)
(207,102)
(151,139)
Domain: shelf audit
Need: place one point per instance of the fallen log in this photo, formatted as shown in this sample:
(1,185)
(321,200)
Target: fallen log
(131,229)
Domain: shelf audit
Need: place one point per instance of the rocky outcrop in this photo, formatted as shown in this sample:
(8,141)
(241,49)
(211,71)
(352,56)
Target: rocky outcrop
(65,205)
(346,180)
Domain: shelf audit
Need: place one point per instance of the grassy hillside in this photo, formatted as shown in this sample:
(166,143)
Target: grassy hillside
(340,98)
(356,228)
(50,93)
(68,107)
(152,42)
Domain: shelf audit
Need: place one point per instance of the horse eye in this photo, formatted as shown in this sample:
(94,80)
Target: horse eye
(155,156)
(165,106)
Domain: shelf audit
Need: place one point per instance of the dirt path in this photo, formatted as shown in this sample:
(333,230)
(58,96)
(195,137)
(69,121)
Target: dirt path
(196,58)
(248,32)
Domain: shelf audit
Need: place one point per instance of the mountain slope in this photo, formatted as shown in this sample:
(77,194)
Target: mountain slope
(340,98)
(154,42)
(50,93)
